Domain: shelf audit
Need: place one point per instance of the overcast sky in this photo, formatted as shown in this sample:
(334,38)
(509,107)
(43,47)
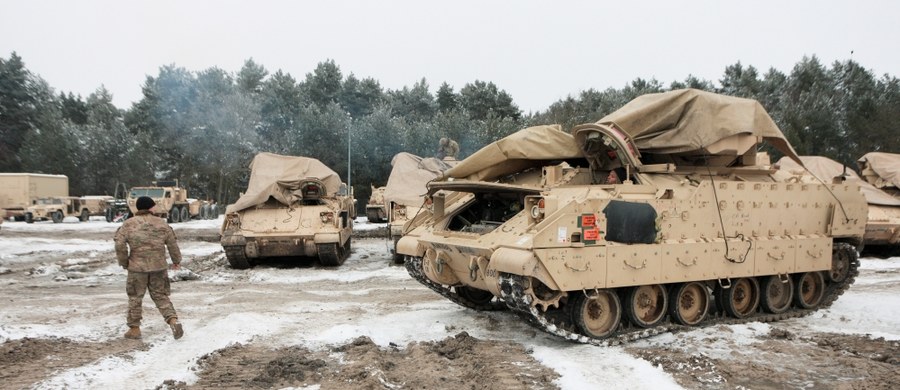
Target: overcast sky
(538,51)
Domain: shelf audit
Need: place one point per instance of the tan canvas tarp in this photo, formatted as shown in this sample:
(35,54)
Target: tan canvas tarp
(885,165)
(687,120)
(280,177)
(523,149)
(826,169)
(409,175)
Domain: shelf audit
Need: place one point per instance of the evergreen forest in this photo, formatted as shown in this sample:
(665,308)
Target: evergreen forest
(204,127)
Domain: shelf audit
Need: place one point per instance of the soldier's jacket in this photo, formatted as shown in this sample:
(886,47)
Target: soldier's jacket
(147,237)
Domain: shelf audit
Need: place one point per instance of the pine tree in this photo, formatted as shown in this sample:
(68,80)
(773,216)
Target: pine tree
(251,77)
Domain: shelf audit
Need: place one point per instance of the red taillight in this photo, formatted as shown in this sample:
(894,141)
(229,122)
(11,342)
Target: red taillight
(311,190)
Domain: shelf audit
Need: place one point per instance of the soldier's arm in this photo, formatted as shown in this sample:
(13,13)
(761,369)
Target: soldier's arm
(172,245)
(121,247)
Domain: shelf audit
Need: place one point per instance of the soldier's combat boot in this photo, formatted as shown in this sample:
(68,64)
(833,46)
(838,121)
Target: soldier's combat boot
(134,332)
(177,330)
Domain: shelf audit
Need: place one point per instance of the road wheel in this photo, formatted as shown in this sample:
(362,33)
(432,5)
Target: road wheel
(57,216)
(29,218)
(476,296)
(689,303)
(742,298)
(809,290)
(185,214)
(645,306)
(597,315)
(777,294)
(85,215)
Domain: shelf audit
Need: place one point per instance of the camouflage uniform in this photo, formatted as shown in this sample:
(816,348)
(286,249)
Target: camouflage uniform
(148,237)
(447,148)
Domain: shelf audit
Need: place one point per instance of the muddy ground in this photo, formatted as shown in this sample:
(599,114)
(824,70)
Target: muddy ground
(293,324)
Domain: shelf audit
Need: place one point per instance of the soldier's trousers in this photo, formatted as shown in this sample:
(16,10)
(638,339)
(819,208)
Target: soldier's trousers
(137,284)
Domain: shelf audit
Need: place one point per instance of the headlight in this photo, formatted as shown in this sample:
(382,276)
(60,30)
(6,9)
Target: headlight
(537,211)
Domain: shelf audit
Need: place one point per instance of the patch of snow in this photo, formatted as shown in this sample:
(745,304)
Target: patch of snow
(167,358)
(591,367)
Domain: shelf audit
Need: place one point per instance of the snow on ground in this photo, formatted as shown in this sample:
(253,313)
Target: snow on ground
(317,307)
(362,223)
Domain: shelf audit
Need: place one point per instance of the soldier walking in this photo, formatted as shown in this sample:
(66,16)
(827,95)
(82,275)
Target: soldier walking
(147,237)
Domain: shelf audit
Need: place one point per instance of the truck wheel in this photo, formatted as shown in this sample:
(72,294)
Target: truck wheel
(110,214)
(185,214)
(29,218)
(57,216)
(85,215)
(204,211)
(214,211)
(174,215)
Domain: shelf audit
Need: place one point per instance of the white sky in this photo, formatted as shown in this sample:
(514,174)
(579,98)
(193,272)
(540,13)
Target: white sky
(538,51)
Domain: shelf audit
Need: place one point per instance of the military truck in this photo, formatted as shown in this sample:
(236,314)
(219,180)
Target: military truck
(882,236)
(20,190)
(404,194)
(172,202)
(375,208)
(689,231)
(58,208)
(293,206)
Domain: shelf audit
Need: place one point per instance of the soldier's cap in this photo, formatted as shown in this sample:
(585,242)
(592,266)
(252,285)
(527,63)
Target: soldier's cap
(145,203)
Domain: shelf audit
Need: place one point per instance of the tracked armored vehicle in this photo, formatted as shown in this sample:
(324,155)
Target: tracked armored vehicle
(294,206)
(404,194)
(882,235)
(375,209)
(667,222)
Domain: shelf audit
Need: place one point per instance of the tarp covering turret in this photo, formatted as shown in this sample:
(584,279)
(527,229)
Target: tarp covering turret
(516,152)
(687,120)
(885,165)
(409,175)
(825,169)
(280,177)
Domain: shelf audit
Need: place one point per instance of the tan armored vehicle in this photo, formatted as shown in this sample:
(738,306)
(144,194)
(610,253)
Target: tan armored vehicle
(172,202)
(294,206)
(405,192)
(669,214)
(375,209)
(883,224)
(58,208)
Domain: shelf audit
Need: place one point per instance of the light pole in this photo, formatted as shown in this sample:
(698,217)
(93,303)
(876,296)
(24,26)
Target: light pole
(349,186)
